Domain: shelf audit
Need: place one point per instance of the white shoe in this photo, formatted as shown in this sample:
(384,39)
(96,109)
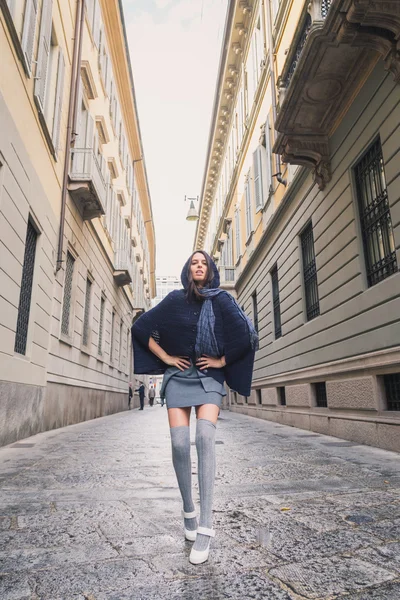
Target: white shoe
(190,534)
(199,556)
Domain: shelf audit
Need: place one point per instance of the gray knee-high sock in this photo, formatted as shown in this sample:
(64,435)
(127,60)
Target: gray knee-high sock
(180,442)
(205,444)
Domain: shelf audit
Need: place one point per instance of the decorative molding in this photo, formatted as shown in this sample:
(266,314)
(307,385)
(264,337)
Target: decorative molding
(102,129)
(88,80)
(112,165)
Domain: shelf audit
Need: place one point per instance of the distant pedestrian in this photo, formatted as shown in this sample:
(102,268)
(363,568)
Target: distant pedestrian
(204,338)
(130,394)
(141,395)
(152,395)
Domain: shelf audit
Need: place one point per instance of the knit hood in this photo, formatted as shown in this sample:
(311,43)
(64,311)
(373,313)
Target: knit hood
(184,275)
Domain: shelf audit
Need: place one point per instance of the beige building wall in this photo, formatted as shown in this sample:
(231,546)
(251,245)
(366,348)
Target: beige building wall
(351,346)
(67,370)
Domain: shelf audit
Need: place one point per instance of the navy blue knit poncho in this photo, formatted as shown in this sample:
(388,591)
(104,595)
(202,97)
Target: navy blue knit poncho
(173,322)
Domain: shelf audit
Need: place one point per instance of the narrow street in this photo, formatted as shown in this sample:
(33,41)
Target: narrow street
(92,511)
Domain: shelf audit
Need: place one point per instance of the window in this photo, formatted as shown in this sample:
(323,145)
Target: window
(25,296)
(66,311)
(276,302)
(376,223)
(392,389)
(249,212)
(259,396)
(101,325)
(320,394)
(255,310)
(86,314)
(310,273)
(282,396)
(128,351)
(112,335)
(266,139)
(49,77)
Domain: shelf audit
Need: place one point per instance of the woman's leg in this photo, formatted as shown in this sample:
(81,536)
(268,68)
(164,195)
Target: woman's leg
(207,416)
(179,419)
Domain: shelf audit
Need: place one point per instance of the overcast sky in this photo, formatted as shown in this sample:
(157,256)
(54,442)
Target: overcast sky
(175,48)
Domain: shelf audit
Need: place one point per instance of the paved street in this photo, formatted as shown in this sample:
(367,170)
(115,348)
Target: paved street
(92,512)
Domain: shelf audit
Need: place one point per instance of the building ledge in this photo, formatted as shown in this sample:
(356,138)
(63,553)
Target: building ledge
(122,277)
(336,49)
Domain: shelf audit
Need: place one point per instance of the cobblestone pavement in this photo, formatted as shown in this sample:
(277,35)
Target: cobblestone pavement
(92,512)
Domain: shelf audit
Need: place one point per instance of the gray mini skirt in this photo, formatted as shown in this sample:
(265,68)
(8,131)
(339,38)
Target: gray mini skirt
(191,387)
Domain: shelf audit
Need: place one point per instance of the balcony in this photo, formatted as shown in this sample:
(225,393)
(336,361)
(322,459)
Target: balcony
(338,44)
(86,183)
(122,268)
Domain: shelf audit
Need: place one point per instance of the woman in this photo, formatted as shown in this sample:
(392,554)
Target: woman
(198,337)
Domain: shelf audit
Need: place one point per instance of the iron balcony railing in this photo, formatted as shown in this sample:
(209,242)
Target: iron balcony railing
(86,167)
(324,9)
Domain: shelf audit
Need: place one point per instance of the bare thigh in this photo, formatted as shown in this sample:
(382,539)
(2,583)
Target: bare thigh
(179,416)
(208,411)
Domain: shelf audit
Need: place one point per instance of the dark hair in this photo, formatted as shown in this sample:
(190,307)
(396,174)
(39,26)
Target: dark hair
(192,292)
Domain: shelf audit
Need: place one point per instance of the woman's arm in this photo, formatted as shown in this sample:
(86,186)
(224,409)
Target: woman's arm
(210,362)
(173,361)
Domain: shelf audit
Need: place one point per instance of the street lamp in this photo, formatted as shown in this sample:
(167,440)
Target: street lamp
(192,215)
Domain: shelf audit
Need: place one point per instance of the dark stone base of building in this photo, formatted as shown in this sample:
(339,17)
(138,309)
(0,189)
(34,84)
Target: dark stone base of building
(362,430)
(28,409)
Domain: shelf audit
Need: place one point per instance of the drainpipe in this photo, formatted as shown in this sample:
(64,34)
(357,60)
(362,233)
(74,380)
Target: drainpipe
(278,173)
(72,112)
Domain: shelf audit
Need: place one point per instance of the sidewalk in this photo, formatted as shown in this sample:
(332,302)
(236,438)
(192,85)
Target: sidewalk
(92,512)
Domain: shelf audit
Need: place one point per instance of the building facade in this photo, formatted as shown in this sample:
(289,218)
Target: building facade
(164,285)
(77,236)
(300,206)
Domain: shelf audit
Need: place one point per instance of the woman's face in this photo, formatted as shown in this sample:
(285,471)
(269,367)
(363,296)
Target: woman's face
(198,269)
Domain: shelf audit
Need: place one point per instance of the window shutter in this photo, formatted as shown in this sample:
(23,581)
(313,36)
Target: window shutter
(90,132)
(268,178)
(258,187)
(59,98)
(89,144)
(237,234)
(249,220)
(28,33)
(43,54)
(96,23)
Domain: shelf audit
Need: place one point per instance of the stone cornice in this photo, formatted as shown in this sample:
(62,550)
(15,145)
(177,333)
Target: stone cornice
(235,42)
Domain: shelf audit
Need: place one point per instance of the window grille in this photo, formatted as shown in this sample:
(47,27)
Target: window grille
(310,273)
(376,223)
(255,310)
(85,334)
(392,388)
(120,345)
(112,335)
(101,325)
(24,307)
(282,396)
(259,396)
(66,312)
(276,302)
(320,394)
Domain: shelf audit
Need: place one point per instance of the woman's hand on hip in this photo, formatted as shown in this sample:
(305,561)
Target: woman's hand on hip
(210,362)
(181,362)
